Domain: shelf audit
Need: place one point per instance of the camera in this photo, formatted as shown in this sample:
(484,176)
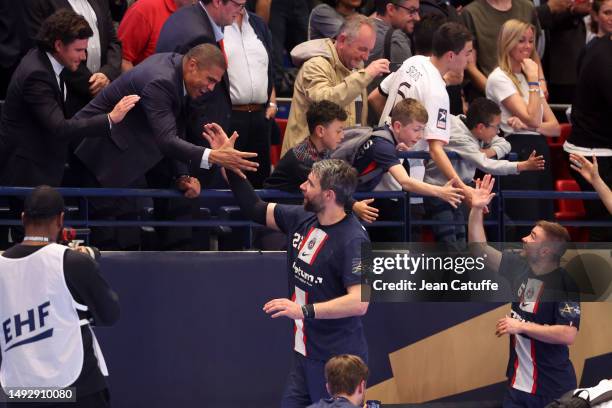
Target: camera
(74,237)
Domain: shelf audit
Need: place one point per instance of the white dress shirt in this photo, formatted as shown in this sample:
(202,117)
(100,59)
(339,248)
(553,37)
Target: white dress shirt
(247,64)
(94,52)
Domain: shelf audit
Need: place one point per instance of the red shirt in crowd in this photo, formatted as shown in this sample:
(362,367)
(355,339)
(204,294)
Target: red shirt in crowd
(140,27)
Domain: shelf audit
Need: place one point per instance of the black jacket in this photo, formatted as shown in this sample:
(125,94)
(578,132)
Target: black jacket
(36,11)
(33,126)
(152,130)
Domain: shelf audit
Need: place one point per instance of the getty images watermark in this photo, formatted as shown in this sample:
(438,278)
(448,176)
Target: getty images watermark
(496,272)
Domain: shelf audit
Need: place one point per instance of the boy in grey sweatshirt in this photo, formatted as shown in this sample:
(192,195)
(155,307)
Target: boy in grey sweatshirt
(474,138)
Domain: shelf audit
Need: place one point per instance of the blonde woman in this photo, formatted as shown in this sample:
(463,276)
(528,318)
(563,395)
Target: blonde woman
(526,117)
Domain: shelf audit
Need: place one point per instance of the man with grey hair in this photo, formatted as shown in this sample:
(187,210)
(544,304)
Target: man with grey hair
(333,70)
(324,259)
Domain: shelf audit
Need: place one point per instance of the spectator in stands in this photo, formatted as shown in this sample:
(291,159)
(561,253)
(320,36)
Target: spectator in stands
(590,172)
(326,126)
(601,15)
(421,78)
(545,316)
(526,116)
(423,42)
(288,22)
(378,168)
(201,23)
(484,19)
(248,44)
(591,123)
(333,71)
(474,139)
(395,20)
(139,29)
(565,31)
(346,376)
(327,18)
(103,62)
(189,26)
(156,129)
(34,126)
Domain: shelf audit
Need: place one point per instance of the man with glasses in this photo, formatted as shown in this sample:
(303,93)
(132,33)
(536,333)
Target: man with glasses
(474,138)
(203,23)
(395,20)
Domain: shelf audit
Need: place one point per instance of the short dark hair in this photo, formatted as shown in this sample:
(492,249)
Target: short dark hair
(210,1)
(64,25)
(343,374)
(450,36)
(323,113)
(408,110)
(481,110)
(42,204)
(207,55)
(338,176)
(424,31)
(381,5)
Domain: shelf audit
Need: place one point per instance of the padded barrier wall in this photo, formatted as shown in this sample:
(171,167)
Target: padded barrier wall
(192,333)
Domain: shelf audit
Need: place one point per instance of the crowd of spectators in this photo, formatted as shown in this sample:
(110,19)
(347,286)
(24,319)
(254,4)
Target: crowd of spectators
(361,58)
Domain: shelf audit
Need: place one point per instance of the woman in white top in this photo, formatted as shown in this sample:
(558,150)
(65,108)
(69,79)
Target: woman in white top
(526,117)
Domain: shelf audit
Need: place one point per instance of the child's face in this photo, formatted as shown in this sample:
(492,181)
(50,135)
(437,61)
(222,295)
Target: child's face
(489,130)
(332,134)
(409,134)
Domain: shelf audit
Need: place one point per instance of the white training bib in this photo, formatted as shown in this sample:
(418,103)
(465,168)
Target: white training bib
(40,331)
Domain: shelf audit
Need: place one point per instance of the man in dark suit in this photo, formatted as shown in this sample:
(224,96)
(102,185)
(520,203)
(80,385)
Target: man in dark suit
(153,131)
(34,130)
(103,62)
(189,26)
(155,128)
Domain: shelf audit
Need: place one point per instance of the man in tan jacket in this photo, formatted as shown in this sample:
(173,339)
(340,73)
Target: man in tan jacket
(333,71)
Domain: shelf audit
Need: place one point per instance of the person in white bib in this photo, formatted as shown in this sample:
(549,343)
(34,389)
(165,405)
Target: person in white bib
(50,296)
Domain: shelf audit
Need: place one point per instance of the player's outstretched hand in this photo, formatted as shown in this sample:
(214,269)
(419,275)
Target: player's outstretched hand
(283,307)
(482,195)
(588,170)
(223,152)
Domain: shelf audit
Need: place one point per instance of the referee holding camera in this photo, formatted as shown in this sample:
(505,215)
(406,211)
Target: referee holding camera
(49,298)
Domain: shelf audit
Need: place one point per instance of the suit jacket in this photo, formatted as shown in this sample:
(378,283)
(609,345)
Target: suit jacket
(33,125)
(36,11)
(153,129)
(187,27)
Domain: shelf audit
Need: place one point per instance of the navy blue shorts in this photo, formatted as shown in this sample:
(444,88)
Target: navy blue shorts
(305,383)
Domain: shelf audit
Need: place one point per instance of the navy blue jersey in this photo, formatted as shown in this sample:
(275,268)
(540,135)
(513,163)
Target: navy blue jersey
(376,153)
(534,366)
(322,262)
